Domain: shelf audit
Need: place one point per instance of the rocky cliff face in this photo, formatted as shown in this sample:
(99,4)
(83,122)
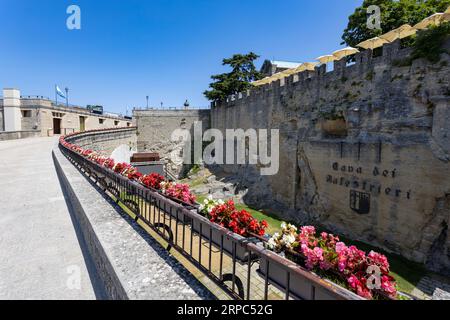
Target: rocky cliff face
(364,151)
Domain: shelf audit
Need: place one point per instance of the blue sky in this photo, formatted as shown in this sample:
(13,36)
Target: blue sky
(166,49)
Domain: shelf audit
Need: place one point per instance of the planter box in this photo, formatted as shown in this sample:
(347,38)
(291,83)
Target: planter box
(242,254)
(228,241)
(336,127)
(300,286)
(173,209)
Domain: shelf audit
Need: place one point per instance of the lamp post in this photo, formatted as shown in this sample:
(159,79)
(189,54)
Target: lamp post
(67,97)
(186,105)
(147,101)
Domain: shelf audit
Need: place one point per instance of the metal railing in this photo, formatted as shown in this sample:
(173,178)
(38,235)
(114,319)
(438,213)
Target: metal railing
(241,267)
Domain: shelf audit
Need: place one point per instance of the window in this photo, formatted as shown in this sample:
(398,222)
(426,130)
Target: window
(116,123)
(101,121)
(26,113)
(57,115)
(128,124)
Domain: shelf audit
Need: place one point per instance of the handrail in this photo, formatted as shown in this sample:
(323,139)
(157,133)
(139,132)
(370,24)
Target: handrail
(220,254)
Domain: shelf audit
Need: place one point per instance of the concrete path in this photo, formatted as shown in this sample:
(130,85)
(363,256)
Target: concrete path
(40,256)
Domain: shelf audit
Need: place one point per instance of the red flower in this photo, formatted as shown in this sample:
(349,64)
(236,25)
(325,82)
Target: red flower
(240,222)
(153,181)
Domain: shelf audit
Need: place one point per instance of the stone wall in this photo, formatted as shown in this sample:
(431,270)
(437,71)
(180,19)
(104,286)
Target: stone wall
(15,135)
(384,178)
(106,141)
(155,128)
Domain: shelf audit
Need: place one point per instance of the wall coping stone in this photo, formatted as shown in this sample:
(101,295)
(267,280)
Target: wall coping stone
(130,263)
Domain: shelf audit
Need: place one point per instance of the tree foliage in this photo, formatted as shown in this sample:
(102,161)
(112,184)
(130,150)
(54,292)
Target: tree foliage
(394,13)
(238,80)
(429,43)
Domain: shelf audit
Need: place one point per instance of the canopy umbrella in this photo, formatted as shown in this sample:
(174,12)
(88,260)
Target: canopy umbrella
(326,59)
(260,82)
(447,14)
(289,72)
(307,66)
(342,53)
(402,32)
(277,76)
(373,43)
(435,19)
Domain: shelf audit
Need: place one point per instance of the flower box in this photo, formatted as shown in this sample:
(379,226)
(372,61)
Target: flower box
(229,240)
(173,208)
(302,284)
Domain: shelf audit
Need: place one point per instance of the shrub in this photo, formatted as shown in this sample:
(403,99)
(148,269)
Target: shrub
(429,43)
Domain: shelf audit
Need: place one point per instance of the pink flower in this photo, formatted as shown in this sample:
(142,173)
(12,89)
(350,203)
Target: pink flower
(340,247)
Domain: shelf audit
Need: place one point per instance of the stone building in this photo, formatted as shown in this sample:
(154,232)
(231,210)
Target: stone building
(269,68)
(364,150)
(38,116)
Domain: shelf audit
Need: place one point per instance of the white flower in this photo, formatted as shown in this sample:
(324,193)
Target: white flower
(272,244)
(210,198)
(288,240)
(284,226)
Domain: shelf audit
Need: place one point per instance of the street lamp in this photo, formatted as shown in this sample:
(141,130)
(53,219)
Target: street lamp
(186,105)
(147,101)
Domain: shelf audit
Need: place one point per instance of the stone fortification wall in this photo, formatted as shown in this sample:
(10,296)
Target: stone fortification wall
(364,150)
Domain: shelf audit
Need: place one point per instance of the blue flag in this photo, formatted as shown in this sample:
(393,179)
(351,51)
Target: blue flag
(60,93)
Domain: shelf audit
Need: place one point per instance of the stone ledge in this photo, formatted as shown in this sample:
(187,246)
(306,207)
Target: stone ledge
(130,263)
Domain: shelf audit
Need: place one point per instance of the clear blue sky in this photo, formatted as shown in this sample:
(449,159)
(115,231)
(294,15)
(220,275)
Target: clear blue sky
(166,49)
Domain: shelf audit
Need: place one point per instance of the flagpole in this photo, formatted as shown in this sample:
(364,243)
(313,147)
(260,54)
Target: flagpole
(56,96)
(67,97)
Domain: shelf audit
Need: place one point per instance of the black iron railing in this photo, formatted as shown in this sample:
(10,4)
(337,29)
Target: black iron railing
(241,267)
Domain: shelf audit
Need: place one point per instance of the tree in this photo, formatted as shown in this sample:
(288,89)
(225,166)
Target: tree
(394,13)
(238,80)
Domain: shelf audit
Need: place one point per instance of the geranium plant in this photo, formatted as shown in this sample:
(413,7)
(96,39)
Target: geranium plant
(240,222)
(178,191)
(152,180)
(365,274)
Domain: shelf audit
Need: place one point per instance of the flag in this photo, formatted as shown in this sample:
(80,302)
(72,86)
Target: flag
(60,93)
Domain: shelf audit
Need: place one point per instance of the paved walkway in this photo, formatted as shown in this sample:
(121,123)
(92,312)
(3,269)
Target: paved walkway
(40,256)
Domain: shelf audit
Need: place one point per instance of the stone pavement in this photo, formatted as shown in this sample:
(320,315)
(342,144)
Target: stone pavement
(41,257)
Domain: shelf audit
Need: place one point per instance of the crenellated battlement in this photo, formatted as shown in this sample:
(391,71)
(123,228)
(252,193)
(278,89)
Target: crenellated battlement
(364,62)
